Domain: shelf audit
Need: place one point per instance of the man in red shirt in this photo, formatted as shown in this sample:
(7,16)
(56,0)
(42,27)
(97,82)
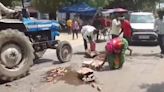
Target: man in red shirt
(126,29)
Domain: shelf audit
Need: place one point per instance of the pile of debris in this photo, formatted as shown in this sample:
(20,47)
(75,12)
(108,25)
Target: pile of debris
(95,63)
(91,54)
(85,75)
(55,74)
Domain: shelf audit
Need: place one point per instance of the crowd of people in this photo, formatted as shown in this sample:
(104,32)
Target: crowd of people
(73,26)
(100,25)
(115,46)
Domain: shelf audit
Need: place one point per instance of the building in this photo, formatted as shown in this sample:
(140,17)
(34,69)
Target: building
(34,12)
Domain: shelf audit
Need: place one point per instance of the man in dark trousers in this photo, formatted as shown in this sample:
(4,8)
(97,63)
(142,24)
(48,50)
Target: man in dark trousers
(88,33)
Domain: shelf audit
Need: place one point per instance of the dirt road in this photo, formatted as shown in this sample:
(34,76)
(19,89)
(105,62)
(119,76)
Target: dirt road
(142,72)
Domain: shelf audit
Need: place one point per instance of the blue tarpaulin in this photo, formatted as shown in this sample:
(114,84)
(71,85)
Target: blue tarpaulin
(82,8)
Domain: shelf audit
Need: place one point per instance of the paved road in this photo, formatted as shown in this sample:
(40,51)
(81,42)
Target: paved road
(142,72)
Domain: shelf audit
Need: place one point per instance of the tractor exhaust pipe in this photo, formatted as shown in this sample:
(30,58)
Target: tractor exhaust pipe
(23,4)
(24,11)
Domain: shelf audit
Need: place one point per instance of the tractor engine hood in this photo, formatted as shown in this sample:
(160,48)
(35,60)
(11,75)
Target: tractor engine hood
(47,23)
(35,25)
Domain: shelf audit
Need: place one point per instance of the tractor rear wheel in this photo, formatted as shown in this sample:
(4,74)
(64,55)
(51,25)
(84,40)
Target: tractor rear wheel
(64,51)
(16,54)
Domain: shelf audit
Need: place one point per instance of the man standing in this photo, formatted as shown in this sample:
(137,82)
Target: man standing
(75,27)
(88,33)
(126,30)
(159,27)
(5,9)
(116,27)
(69,25)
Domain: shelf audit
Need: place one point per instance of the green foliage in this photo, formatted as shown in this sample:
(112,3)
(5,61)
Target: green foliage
(46,5)
(11,2)
(147,5)
(53,5)
(6,2)
(16,3)
(98,3)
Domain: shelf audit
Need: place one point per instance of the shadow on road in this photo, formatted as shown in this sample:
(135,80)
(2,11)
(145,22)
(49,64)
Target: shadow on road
(40,61)
(82,53)
(146,55)
(79,53)
(71,77)
(153,87)
(100,41)
(105,68)
(144,44)
(3,82)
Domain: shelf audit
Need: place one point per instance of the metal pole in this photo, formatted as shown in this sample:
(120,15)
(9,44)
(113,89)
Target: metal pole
(159,4)
(23,3)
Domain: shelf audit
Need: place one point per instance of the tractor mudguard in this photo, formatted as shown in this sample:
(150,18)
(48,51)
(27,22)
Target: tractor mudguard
(12,24)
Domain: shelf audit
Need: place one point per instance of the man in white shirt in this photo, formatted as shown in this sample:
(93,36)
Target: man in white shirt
(159,27)
(116,27)
(88,33)
(5,9)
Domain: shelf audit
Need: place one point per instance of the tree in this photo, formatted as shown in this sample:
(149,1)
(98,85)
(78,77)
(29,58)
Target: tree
(50,6)
(47,6)
(11,3)
(147,5)
(6,2)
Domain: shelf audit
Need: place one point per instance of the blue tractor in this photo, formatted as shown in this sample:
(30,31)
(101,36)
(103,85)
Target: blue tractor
(23,41)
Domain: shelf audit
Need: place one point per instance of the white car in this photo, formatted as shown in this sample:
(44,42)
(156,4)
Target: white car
(142,24)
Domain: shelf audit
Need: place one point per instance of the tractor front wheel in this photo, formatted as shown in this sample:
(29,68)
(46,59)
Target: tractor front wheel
(64,51)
